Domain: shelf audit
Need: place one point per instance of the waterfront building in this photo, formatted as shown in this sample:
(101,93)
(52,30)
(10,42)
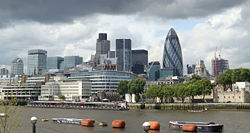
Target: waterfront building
(172,54)
(37,61)
(124,54)
(54,62)
(221,66)
(71,89)
(201,70)
(25,92)
(139,61)
(103,80)
(17,67)
(25,87)
(102,44)
(153,70)
(190,69)
(70,62)
(239,93)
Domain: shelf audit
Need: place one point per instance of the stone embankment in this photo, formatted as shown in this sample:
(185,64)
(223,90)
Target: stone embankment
(190,106)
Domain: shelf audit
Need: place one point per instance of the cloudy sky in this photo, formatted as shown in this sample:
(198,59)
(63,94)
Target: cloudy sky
(71,27)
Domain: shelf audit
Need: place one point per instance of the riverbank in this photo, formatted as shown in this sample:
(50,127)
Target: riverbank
(191,106)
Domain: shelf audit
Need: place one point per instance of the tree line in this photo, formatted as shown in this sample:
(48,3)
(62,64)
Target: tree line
(234,75)
(196,86)
(135,86)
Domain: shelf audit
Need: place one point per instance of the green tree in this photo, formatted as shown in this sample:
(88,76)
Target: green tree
(195,77)
(136,86)
(206,87)
(152,92)
(10,115)
(62,97)
(181,91)
(225,78)
(194,89)
(123,87)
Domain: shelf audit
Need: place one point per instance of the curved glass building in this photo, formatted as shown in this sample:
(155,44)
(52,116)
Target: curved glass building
(172,54)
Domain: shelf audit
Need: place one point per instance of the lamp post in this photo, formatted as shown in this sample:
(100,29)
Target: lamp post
(146,126)
(33,121)
(3,123)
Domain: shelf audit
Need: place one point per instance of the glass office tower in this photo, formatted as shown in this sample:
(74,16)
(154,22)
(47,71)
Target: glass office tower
(172,54)
(124,54)
(37,60)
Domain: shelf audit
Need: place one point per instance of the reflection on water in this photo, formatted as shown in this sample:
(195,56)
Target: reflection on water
(234,121)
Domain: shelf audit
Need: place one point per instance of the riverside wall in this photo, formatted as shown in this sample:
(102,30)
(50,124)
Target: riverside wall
(190,106)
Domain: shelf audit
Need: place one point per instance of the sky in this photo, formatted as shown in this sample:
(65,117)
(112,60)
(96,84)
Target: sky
(66,28)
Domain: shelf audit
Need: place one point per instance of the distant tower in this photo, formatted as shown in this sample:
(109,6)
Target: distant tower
(17,67)
(102,44)
(219,66)
(172,54)
(139,61)
(37,61)
(124,54)
(200,69)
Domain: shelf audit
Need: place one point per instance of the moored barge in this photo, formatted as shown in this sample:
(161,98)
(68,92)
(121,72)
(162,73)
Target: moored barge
(201,126)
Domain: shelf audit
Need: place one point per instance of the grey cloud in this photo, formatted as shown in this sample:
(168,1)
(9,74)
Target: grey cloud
(61,11)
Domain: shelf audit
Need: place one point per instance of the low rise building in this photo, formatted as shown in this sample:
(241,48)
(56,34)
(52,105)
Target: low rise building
(103,80)
(25,92)
(240,93)
(71,89)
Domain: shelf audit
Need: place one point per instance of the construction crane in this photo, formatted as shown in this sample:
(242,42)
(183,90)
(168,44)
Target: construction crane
(215,71)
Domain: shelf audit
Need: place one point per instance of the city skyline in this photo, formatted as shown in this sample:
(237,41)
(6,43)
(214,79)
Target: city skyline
(224,26)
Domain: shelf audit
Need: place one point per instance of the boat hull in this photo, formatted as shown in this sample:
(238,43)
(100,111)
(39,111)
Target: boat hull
(201,127)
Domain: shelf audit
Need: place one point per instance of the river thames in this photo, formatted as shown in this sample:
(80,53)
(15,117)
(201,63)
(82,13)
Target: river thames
(233,121)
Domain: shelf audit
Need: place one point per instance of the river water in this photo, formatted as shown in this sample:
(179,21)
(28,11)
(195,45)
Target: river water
(234,121)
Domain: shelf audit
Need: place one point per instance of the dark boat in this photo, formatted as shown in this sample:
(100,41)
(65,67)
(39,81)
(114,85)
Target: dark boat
(201,126)
(67,120)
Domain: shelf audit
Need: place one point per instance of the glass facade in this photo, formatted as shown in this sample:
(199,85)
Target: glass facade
(139,61)
(37,60)
(172,54)
(71,61)
(17,67)
(164,73)
(54,62)
(103,80)
(154,70)
(124,54)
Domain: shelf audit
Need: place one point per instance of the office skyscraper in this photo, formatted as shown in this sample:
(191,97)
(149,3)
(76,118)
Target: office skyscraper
(124,54)
(17,67)
(71,61)
(37,61)
(139,61)
(54,62)
(221,66)
(172,54)
(102,44)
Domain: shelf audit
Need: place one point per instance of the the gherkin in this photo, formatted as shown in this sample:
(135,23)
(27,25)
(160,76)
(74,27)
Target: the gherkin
(172,54)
